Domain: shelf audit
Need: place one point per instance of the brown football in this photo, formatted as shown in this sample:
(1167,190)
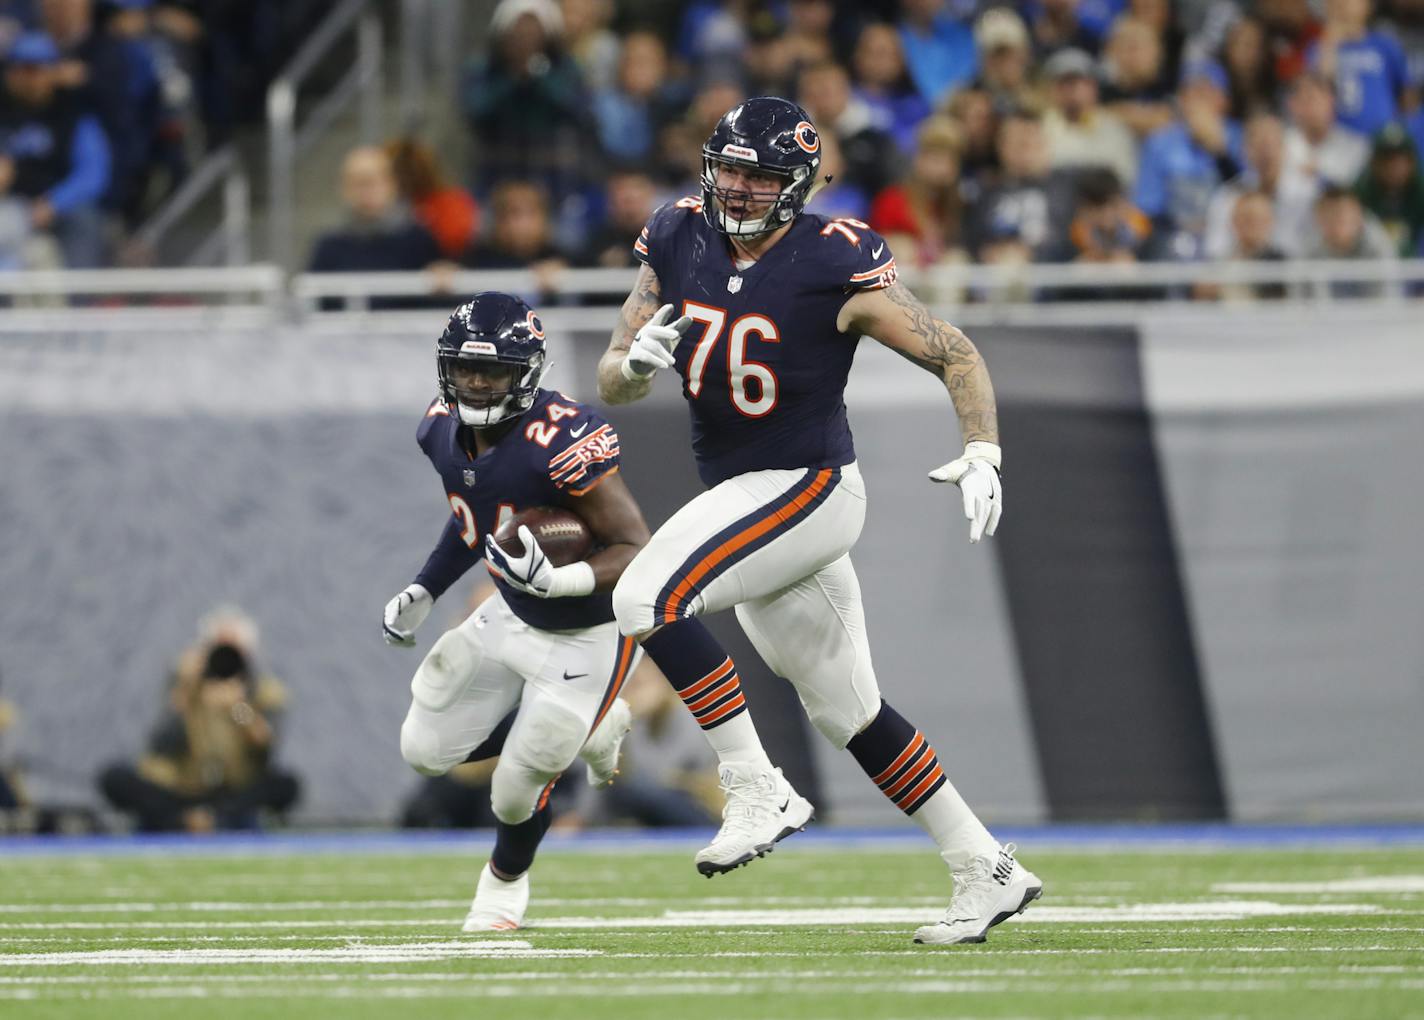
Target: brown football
(561,533)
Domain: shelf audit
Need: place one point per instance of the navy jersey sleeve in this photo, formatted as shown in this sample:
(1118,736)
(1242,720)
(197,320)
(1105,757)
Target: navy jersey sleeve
(858,257)
(584,449)
(451,557)
(653,247)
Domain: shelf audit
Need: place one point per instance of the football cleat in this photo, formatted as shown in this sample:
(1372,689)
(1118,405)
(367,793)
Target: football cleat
(600,751)
(498,905)
(990,890)
(761,810)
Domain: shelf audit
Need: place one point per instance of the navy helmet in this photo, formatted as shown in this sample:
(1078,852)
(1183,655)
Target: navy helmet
(773,136)
(492,329)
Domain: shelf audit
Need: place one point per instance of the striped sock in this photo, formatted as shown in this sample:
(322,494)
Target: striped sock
(898,759)
(705,677)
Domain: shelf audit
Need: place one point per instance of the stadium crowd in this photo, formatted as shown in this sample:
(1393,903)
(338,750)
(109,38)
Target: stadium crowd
(1043,130)
(105,103)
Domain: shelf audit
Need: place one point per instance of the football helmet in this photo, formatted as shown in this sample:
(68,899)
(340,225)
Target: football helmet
(492,329)
(769,135)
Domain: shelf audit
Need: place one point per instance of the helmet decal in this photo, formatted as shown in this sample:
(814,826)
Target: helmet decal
(535,326)
(807,138)
(739,152)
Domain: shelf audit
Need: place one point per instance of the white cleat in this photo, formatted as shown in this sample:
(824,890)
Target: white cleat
(761,810)
(988,891)
(498,905)
(600,750)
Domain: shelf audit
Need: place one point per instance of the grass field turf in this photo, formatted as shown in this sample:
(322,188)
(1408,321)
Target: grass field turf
(812,931)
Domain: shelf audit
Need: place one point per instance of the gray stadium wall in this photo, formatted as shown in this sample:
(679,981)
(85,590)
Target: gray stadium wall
(1204,598)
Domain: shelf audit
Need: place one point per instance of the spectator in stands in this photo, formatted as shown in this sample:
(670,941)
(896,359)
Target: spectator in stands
(1415,126)
(883,84)
(1183,163)
(590,42)
(1253,228)
(713,34)
(922,217)
(11,790)
(1004,59)
(769,63)
(21,246)
(15,17)
(1028,209)
(808,31)
(1106,229)
(209,763)
(838,196)
(1248,68)
(641,101)
(1367,67)
(522,237)
(448,212)
(1405,21)
(972,110)
(1345,231)
(1291,29)
(1135,87)
(679,156)
(939,48)
(1292,193)
(824,90)
(1393,189)
(379,233)
(1080,132)
(1159,16)
(1055,26)
(1317,145)
(527,104)
(60,153)
(153,91)
(630,198)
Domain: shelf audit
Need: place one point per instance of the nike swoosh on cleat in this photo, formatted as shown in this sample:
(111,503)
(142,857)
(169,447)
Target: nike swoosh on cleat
(787,804)
(578,431)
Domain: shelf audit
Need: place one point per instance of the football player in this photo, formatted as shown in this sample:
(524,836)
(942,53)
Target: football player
(759,307)
(546,640)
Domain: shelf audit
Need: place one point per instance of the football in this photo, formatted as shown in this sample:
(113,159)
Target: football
(561,533)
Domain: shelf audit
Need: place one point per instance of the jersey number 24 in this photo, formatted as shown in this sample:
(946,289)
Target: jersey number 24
(754,401)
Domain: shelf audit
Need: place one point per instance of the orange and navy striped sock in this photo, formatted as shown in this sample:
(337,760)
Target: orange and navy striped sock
(898,759)
(705,677)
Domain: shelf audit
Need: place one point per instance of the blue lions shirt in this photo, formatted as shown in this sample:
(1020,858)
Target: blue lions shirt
(1370,75)
(558,448)
(763,367)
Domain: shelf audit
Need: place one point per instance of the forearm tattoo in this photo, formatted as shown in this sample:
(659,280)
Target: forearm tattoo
(949,354)
(644,300)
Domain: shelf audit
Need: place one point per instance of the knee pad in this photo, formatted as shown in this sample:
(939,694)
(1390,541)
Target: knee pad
(546,737)
(446,669)
(515,791)
(633,598)
(420,747)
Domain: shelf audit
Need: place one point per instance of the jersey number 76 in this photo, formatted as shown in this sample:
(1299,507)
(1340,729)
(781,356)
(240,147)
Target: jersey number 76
(752,401)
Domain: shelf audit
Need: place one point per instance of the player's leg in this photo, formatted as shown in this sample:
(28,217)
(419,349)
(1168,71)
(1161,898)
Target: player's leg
(747,536)
(814,634)
(554,721)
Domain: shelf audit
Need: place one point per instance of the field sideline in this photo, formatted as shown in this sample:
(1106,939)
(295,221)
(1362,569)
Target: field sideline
(1197,924)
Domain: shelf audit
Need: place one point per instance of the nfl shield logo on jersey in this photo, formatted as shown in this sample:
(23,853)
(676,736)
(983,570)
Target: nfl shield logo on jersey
(734,284)
(469,478)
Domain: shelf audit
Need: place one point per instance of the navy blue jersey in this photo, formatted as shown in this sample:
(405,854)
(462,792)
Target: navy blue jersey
(558,448)
(763,367)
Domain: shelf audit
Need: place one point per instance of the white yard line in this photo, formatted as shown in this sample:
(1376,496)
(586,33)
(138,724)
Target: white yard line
(1397,884)
(410,952)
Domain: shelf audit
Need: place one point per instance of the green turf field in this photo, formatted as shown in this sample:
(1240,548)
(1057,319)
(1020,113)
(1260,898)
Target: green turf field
(808,932)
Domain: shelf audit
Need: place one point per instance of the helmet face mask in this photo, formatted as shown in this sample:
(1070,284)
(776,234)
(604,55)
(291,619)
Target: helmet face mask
(762,136)
(498,340)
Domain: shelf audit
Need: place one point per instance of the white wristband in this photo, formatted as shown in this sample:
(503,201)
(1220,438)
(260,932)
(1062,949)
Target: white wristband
(981,450)
(632,374)
(572,580)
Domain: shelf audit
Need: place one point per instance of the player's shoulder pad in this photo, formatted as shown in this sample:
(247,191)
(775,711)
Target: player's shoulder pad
(856,256)
(663,223)
(434,422)
(582,446)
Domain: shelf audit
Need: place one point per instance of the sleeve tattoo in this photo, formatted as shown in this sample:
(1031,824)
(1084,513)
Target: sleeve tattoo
(644,300)
(948,354)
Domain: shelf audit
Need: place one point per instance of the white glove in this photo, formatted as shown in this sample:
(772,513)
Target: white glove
(653,345)
(533,574)
(406,612)
(976,473)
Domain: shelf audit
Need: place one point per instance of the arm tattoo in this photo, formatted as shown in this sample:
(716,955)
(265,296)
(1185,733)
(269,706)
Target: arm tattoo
(644,300)
(947,353)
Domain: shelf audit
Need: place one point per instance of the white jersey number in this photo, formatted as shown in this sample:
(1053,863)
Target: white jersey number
(740,370)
